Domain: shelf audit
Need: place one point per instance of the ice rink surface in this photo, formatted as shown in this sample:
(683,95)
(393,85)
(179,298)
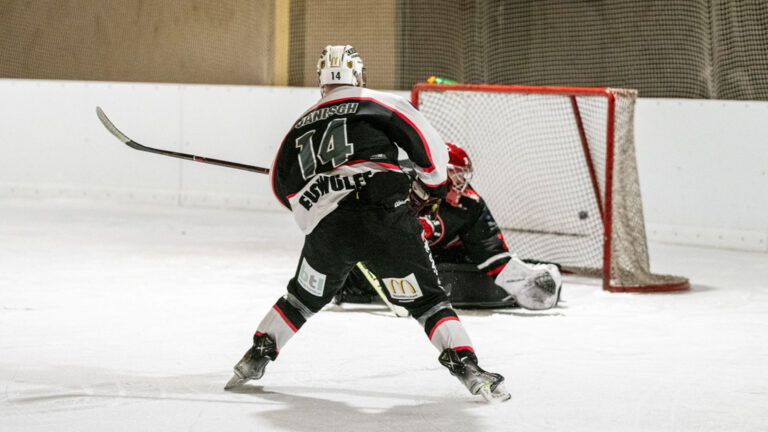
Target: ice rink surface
(125,317)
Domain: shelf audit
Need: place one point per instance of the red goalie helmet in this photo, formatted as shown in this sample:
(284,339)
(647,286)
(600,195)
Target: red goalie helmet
(459,172)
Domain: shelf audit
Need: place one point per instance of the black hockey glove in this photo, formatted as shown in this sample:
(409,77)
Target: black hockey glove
(421,202)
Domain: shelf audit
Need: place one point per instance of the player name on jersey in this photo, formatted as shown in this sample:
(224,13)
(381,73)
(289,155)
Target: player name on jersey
(323,184)
(324,113)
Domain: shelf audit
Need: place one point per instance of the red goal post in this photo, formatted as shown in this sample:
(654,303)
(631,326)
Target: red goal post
(557,168)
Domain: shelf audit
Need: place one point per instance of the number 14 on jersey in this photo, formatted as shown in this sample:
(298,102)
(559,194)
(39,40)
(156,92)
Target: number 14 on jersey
(334,148)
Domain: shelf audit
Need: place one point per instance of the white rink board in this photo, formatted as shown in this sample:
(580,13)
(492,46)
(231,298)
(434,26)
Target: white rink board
(52,142)
(704,171)
(240,123)
(703,164)
(54,145)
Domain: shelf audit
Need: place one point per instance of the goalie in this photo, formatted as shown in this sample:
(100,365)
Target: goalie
(475,265)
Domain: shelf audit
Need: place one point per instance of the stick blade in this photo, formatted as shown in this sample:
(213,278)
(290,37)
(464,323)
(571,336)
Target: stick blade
(111,127)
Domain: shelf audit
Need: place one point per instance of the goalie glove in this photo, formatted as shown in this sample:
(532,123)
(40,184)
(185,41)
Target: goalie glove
(535,287)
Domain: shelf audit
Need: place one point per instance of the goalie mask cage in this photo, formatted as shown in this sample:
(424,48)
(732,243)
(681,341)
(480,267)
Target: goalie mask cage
(557,168)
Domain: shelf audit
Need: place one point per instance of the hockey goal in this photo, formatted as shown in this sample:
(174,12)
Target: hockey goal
(557,168)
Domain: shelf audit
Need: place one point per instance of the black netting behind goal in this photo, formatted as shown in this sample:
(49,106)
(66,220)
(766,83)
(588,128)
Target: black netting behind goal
(690,49)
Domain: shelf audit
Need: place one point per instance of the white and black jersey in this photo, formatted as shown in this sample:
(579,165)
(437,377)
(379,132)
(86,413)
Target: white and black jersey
(344,143)
(338,172)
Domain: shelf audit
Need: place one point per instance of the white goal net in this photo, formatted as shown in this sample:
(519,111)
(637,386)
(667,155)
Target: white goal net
(557,169)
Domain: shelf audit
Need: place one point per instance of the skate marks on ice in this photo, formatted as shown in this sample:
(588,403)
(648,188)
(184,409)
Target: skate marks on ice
(68,388)
(71,389)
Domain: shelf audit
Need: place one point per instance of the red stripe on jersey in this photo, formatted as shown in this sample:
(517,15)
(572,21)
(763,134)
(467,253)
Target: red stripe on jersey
(450,318)
(503,242)
(383,164)
(497,270)
(431,166)
(463,348)
(469,193)
(439,184)
(282,315)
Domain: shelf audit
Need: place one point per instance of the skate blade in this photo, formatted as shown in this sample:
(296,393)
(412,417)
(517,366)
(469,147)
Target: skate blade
(235,382)
(499,394)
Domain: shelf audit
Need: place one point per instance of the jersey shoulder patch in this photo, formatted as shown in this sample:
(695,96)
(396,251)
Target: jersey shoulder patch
(469,193)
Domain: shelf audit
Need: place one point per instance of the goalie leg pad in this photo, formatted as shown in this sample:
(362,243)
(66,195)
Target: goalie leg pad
(472,289)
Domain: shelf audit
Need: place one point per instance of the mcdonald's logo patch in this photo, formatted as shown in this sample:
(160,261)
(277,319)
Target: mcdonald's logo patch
(406,288)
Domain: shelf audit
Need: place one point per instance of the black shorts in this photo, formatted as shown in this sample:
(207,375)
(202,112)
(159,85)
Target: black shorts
(387,240)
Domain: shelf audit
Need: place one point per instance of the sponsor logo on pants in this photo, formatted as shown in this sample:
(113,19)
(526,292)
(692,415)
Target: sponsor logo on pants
(406,288)
(310,279)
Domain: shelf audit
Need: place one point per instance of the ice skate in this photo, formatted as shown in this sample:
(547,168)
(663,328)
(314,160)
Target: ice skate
(253,363)
(487,384)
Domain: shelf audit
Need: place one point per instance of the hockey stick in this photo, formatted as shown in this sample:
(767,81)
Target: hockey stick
(397,310)
(134,145)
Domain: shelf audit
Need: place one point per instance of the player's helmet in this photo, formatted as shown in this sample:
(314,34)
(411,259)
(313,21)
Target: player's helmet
(340,64)
(459,172)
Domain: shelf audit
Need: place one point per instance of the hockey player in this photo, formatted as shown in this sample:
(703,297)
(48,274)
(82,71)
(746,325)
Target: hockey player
(337,171)
(461,230)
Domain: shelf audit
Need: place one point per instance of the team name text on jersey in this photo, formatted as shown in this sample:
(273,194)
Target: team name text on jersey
(323,184)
